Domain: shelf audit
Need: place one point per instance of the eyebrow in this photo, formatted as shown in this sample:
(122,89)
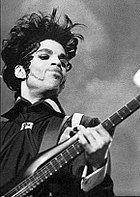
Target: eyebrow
(62,55)
(45,50)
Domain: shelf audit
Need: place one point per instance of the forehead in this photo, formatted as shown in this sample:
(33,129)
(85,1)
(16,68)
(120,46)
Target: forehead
(52,46)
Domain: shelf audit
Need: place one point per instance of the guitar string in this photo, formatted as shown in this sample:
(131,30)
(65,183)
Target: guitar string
(57,164)
(40,172)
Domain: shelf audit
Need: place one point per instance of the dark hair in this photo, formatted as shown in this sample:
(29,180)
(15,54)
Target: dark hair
(25,38)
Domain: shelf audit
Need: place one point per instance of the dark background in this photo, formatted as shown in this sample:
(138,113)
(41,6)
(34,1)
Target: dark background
(101,81)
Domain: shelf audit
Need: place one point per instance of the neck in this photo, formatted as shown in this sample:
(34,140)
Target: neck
(34,95)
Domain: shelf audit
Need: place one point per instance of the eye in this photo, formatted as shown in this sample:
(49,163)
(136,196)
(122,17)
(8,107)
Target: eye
(66,64)
(63,64)
(44,57)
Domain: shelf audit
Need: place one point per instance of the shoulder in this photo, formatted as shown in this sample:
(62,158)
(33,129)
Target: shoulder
(5,127)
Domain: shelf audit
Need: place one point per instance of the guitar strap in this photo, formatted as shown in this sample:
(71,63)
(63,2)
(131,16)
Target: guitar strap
(52,132)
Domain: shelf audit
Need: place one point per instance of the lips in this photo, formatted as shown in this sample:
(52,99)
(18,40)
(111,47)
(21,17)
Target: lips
(57,71)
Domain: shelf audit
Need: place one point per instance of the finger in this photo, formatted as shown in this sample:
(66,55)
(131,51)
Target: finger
(85,132)
(87,140)
(96,141)
(103,132)
(93,137)
(83,141)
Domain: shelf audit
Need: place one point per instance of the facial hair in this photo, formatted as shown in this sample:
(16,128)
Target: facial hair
(41,75)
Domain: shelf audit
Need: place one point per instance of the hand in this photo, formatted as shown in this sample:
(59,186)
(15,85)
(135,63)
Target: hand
(95,141)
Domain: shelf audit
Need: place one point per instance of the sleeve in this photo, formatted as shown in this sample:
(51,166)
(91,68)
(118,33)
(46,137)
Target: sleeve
(93,179)
(3,132)
(90,183)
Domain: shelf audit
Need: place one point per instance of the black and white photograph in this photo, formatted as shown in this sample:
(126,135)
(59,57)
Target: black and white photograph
(70,98)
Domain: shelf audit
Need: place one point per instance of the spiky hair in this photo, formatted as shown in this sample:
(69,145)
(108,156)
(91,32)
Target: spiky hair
(25,37)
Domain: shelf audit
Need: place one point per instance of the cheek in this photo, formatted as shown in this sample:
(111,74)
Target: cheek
(64,75)
(38,70)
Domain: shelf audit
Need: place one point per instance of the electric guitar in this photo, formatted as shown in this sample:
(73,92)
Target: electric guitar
(51,161)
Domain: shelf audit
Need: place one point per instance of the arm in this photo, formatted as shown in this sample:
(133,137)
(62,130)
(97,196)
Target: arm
(94,164)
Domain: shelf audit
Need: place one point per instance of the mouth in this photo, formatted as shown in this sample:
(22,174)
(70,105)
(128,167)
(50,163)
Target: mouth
(57,72)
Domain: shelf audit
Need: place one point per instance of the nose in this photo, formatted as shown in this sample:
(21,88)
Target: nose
(56,61)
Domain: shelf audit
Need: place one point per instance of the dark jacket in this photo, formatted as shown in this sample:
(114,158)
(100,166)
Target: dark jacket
(20,147)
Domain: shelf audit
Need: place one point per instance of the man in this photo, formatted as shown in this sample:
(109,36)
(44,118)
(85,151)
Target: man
(36,57)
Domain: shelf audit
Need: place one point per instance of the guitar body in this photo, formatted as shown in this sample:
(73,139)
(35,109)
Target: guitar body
(46,156)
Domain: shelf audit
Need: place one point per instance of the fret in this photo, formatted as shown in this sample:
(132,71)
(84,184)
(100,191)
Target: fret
(23,186)
(25,190)
(107,124)
(14,190)
(19,189)
(111,121)
(78,147)
(18,193)
(42,174)
(67,155)
(45,172)
(124,112)
(56,163)
(42,178)
(28,188)
(38,178)
(24,183)
(65,161)
(72,151)
(29,185)
(133,105)
(61,160)
(115,118)
(138,99)
(77,151)
(51,168)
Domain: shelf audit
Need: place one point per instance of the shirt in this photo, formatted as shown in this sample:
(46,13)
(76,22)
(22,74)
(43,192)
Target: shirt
(20,146)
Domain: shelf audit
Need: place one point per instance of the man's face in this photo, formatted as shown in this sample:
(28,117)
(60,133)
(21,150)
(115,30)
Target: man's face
(47,68)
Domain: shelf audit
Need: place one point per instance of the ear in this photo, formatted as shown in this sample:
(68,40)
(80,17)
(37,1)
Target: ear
(20,72)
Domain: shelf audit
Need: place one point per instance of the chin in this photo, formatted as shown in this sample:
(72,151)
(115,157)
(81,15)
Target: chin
(53,83)
(53,87)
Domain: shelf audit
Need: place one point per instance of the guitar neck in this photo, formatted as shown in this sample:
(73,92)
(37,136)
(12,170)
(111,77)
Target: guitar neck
(121,114)
(72,151)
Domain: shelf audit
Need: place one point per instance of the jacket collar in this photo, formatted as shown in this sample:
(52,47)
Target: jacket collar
(52,104)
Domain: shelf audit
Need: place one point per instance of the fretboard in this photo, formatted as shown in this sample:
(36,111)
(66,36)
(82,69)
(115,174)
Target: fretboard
(46,171)
(70,153)
(121,114)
